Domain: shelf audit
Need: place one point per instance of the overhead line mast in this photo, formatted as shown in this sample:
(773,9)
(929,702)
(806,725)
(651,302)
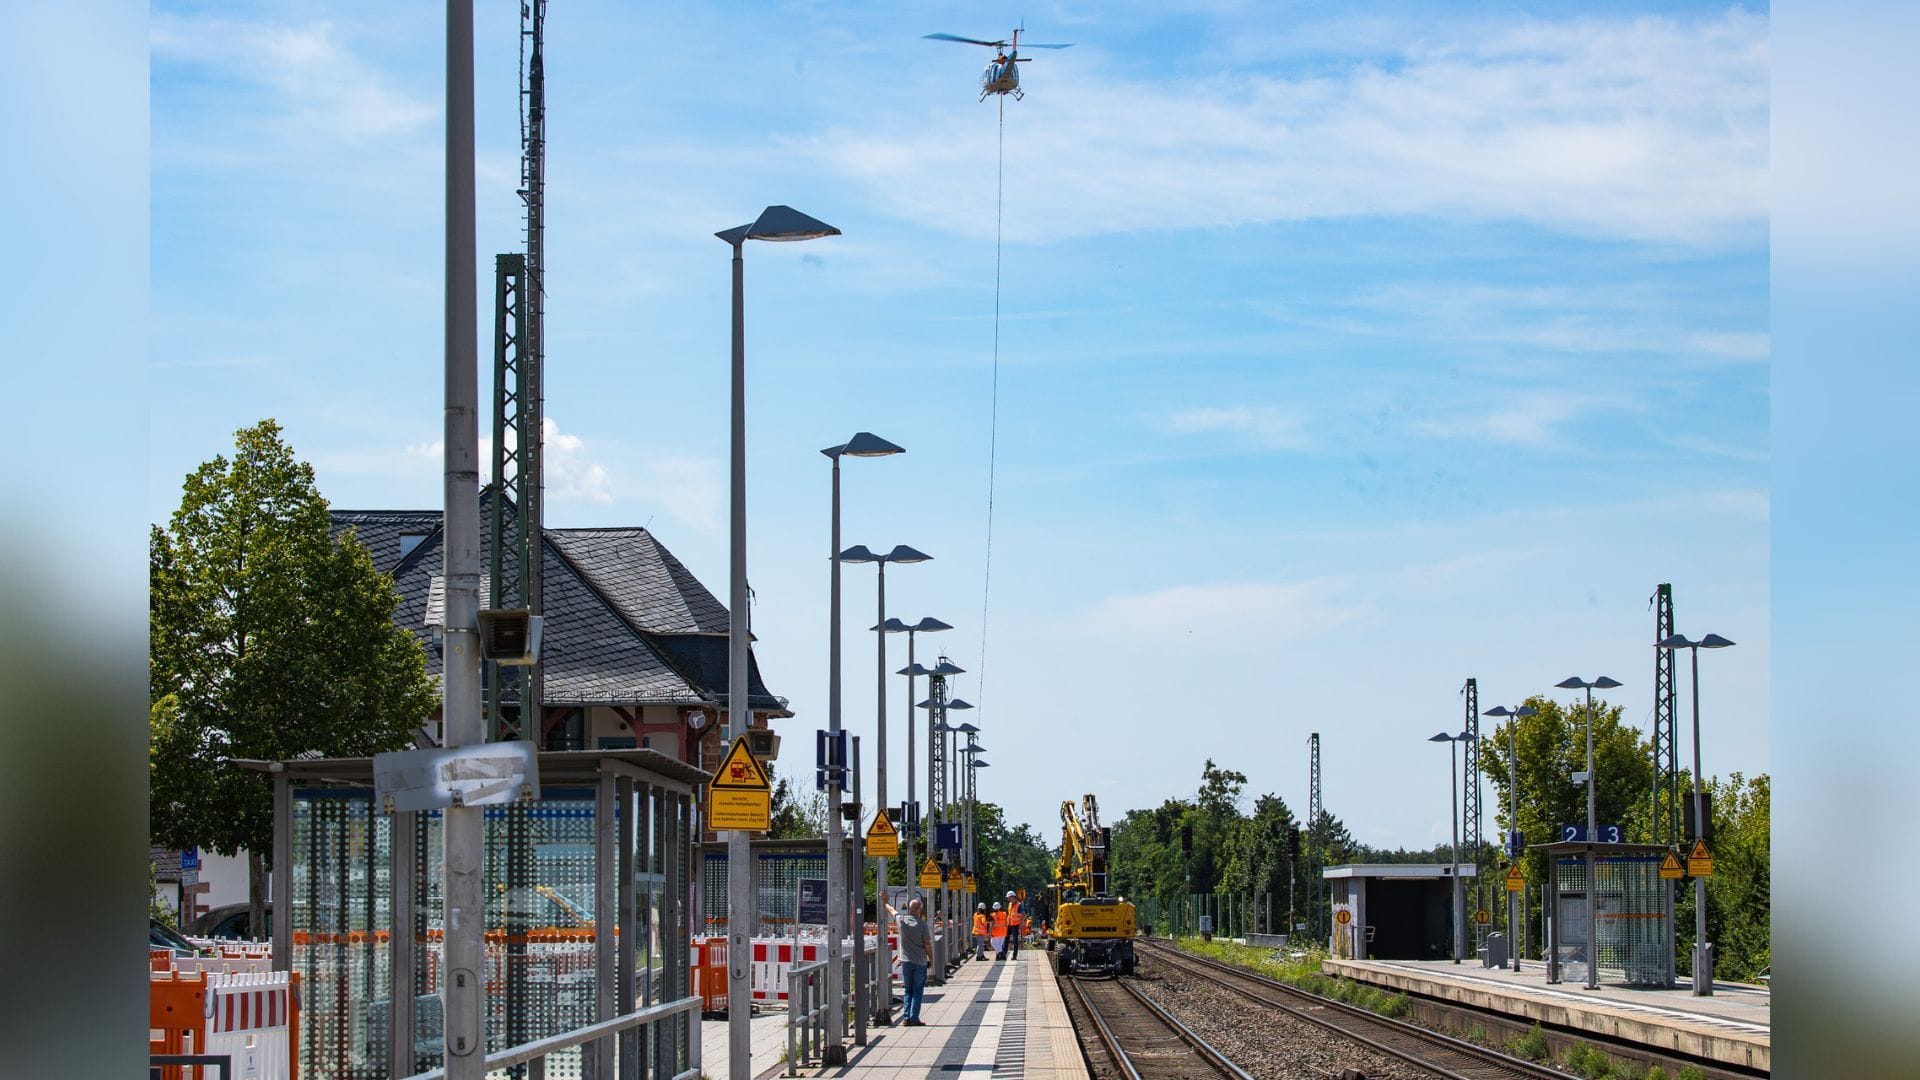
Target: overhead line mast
(1666,748)
(519,512)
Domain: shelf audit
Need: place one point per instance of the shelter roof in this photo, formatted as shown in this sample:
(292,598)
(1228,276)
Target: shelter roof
(1397,870)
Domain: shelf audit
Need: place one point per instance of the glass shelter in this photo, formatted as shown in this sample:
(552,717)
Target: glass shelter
(590,889)
(1632,939)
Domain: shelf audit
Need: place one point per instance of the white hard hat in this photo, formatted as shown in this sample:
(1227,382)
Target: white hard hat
(982,907)
(1009,892)
(996,906)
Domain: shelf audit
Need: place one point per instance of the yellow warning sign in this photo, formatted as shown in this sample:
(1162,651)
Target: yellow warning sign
(739,796)
(1483,917)
(1343,916)
(1700,860)
(1023,894)
(1516,879)
(883,840)
(1670,869)
(739,771)
(930,875)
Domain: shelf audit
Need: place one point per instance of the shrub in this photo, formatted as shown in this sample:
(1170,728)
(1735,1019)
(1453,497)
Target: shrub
(1692,1072)
(1532,1045)
(1655,1072)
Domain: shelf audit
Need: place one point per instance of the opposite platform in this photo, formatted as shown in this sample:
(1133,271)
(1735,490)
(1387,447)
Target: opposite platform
(1732,1027)
(992,1018)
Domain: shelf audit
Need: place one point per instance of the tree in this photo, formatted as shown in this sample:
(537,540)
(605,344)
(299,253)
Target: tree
(1740,892)
(797,815)
(270,638)
(1550,746)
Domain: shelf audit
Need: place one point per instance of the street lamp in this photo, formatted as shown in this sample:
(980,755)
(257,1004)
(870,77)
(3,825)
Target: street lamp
(1515,925)
(1453,805)
(1702,951)
(883,1006)
(863,444)
(775,223)
(1574,682)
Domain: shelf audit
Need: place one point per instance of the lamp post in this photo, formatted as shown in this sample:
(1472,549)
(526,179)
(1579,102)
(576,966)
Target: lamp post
(1574,682)
(1459,927)
(883,999)
(775,223)
(863,444)
(1702,951)
(1516,922)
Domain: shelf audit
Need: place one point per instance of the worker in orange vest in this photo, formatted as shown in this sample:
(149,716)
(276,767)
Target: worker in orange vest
(980,932)
(999,931)
(1016,924)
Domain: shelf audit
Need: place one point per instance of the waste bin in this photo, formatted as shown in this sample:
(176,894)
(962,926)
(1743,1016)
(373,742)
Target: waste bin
(1494,953)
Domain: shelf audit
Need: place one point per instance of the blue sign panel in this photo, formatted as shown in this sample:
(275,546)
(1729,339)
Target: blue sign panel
(190,858)
(1516,843)
(1576,834)
(813,901)
(829,759)
(947,837)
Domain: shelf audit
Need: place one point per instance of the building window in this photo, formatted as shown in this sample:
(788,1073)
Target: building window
(616,742)
(409,541)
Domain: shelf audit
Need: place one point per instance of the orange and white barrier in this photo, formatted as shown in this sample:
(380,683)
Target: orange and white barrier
(250,1016)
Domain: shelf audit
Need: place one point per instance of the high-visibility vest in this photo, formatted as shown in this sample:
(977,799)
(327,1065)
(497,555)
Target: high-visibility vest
(980,924)
(999,924)
(1014,917)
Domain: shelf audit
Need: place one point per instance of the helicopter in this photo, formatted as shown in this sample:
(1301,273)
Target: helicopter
(1001,76)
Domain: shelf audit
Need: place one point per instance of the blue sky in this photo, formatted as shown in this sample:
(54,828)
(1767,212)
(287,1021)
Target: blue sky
(1342,356)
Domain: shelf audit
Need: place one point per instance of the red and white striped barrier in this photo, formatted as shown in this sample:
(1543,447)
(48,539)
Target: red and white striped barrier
(249,1015)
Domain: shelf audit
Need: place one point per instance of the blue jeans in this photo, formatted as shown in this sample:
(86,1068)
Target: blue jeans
(913,978)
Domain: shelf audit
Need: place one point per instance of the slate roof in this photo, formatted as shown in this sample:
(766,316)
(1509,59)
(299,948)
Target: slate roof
(626,622)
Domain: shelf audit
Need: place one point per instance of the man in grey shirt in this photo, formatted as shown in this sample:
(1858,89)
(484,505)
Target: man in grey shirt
(916,952)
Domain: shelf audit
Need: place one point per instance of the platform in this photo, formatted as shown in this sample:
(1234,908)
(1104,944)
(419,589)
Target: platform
(768,1040)
(992,1018)
(1732,1027)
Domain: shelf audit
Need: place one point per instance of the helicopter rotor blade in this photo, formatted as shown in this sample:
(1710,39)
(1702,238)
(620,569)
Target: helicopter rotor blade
(967,40)
(1031,45)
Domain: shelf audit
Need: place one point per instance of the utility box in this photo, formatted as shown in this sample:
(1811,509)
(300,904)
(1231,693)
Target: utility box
(1206,928)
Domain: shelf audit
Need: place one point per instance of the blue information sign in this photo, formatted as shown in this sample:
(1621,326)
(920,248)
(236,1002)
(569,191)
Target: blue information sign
(947,837)
(1575,834)
(813,901)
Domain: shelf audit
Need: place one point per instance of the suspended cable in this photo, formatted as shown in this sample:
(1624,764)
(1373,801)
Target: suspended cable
(993,422)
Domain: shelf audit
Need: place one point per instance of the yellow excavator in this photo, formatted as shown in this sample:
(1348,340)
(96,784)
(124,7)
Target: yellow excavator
(1091,931)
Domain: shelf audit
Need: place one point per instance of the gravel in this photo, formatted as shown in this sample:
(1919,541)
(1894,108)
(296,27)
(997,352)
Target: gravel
(1267,1043)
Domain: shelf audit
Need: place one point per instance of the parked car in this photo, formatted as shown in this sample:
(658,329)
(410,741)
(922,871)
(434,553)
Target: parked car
(162,936)
(231,921)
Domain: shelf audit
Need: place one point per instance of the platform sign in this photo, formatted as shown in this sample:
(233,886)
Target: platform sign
(739,796)
(947,837)
(1343,916)
(883,841)
(1670,869)
(1700,860)
(1516,878)
(930,875)
(812,906)
(1604,834)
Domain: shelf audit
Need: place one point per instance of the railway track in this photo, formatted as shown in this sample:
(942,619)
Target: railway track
(1443,1055)
(1144,1040)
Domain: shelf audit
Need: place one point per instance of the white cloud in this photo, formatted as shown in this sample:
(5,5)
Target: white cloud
(1529,419)
(1651,129)
(1734,345)
(326,88)
(688,488)
(568,473)
(1263,425)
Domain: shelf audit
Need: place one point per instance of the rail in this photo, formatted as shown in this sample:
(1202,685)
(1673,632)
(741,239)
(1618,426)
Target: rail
(1455,1059)
(1149,1049)
(534,1054)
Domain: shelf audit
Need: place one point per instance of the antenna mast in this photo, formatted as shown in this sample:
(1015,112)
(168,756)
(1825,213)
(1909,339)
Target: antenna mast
(1314,854)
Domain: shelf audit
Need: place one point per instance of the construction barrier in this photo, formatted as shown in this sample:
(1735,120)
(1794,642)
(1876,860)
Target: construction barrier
(710,973)
(254,1016)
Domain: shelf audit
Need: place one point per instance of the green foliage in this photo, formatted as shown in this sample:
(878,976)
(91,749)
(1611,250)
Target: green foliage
(1532,1045)
(269,638)
(1654,1072)
(798,812)
(1739,894)
(1303,973)
(156,907)
(1691,1072)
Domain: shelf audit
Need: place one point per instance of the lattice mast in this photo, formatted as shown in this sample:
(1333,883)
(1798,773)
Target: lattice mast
(1314,854)
(1470,804)
(1666,746)
(518,516)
